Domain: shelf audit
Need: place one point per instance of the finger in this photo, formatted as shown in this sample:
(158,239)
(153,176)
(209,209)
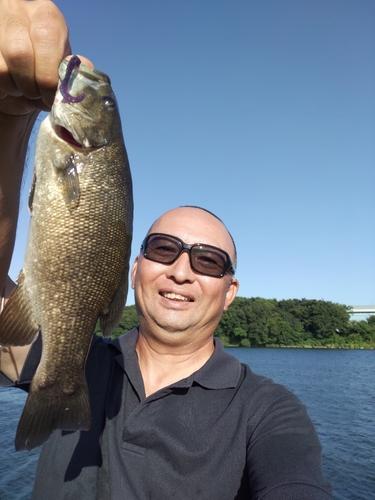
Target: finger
(7,84)
(39,104)
(86,61)
(50,38)
(18,106)
(17,58)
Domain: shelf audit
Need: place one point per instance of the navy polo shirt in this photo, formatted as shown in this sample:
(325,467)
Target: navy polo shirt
(222,433)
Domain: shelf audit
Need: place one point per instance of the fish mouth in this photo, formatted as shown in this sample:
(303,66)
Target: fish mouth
(66,136)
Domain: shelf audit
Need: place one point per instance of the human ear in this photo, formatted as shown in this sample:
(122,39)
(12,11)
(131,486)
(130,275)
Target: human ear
(134,272)
(231,292)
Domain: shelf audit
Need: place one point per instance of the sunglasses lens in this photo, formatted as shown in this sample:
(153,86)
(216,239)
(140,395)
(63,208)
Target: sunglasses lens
(207,260)
(162,249)
(204,259)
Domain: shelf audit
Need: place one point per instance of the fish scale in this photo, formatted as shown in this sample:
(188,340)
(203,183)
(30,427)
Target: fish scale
(77,258)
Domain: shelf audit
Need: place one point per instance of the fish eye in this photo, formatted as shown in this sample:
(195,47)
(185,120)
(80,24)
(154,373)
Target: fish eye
(109,101)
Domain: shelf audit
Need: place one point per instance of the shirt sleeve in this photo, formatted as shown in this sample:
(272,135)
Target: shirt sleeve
(284,452)
(29,368)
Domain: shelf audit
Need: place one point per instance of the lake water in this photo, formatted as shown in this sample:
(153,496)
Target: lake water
(337,386)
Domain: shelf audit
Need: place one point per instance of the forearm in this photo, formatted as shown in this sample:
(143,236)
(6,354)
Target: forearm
(12,358)
(14,135)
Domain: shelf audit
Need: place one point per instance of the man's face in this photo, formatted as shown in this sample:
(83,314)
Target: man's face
(176,305)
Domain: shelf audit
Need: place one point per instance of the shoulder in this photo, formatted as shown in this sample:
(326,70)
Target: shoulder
(252,391)
(99,352)
(111,347)
(272,405)
(263,399)
(264,387)
(241,375)
(103,351)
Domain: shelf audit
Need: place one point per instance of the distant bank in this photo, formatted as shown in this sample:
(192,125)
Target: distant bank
(294,323)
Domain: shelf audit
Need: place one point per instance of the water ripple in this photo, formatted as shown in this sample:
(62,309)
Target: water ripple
(337,386)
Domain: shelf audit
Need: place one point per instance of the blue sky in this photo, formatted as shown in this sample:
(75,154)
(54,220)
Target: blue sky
(260,111)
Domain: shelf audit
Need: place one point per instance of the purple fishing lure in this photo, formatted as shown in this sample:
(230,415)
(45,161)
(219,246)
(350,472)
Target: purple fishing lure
(73,63)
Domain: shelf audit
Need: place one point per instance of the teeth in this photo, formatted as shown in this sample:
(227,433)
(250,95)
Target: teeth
(175,296)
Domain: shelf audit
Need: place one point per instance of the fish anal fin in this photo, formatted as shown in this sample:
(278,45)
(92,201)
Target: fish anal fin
(17,323)
(49,409)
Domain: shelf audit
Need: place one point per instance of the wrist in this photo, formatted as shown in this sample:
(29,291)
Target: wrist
(15,132)
(20,123)
(14,136)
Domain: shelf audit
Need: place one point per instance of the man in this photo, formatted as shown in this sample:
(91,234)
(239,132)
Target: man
(174,415)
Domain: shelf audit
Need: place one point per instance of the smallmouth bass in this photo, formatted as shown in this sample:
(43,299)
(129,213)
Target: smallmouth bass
(77,258)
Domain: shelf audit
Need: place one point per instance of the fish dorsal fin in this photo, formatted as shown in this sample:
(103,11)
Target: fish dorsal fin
(17,324)
(31,193)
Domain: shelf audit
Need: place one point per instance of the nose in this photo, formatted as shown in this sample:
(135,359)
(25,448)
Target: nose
(180,270)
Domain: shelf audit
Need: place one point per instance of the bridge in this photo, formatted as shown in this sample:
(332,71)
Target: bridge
(362,310)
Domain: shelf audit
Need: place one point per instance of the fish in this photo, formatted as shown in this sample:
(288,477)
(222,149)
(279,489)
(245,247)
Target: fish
(76,263)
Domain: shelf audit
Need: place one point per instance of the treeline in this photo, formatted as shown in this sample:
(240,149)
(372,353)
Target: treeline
(258,322)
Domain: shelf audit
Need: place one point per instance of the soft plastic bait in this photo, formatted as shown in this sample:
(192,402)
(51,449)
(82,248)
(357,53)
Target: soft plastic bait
(73,63)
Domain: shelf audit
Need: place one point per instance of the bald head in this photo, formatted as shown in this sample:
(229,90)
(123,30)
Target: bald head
(196,225)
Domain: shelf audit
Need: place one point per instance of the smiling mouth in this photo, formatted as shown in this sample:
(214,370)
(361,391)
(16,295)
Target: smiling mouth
(176,296)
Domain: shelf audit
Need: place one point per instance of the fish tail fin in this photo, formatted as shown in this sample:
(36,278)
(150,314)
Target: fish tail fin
(17,324)
(47,410)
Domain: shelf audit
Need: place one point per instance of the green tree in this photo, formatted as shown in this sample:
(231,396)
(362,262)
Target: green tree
(128,321)
(362,330)
(321,318)
(239,334)
(245,343)
(260,322)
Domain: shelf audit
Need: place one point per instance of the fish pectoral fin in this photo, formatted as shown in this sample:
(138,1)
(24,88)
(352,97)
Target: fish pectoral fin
(68,179)
(17,323)
(70,187)
(109,320)
(49,409)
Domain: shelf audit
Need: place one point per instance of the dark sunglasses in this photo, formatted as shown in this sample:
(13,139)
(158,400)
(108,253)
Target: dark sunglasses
(204,259)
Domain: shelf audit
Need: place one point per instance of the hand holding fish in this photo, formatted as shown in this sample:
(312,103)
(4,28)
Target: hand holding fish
(33,40)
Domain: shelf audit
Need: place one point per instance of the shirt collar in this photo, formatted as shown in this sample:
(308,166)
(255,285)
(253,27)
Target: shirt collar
(221,371)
